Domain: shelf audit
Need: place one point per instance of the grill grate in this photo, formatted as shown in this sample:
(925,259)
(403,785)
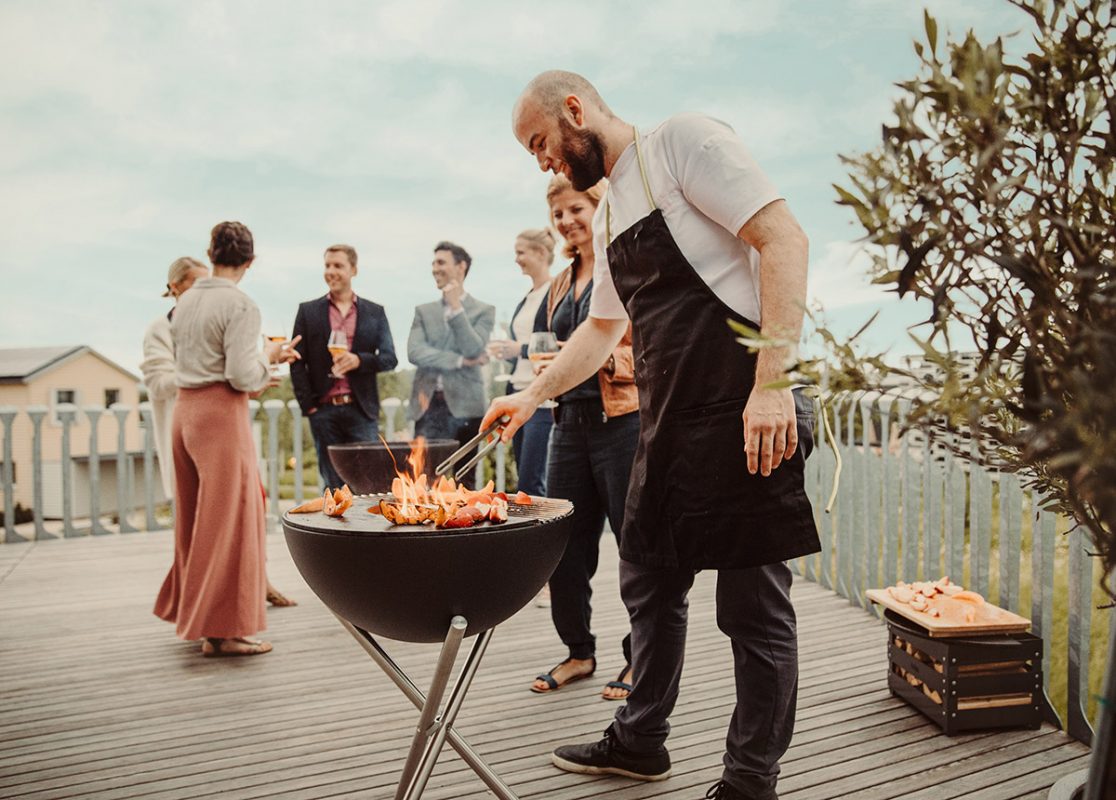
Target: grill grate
(357,520)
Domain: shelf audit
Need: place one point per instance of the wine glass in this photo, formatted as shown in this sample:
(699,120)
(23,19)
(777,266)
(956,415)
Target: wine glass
(274,337)
(499,334)
(338,343)
(541,343)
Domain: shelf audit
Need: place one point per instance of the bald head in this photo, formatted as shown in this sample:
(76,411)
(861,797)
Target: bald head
(562,121)
(550,90)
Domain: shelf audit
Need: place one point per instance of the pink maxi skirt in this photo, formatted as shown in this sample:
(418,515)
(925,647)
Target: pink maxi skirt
(217,584)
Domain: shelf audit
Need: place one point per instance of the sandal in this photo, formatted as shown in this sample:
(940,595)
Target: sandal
(214,647)
(619,683)
(278,599)
(554,685)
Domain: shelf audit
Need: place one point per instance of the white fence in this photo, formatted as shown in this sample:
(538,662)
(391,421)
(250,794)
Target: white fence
(903,510)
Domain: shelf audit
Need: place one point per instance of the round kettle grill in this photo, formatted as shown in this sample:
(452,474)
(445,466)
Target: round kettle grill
(418,584)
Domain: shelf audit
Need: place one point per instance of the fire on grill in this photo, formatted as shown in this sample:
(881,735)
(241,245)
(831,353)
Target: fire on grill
(446,503)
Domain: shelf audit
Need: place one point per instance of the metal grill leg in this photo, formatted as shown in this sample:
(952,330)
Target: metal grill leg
(428,723)
(415,695)
(445,724)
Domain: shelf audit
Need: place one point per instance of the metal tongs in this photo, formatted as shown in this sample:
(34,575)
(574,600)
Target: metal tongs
(450,468)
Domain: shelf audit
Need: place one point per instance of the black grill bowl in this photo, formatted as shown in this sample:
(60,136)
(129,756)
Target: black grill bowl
(407,583)
(368,468)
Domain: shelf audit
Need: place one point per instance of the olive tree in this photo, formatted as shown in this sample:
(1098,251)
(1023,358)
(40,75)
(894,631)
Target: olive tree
(991,196)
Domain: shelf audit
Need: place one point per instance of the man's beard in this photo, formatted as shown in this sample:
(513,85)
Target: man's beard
(583,152)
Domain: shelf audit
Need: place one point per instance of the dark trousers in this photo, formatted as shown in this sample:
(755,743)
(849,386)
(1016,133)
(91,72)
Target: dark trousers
(339,425)
(754,610)
(531,446)
(438,423)
(590,461)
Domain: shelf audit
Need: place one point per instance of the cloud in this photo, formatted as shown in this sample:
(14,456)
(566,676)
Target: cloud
(840,277)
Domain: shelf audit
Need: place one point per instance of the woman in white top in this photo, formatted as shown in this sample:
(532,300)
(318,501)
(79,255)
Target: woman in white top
(534,253)
(215,588)
(158,377)
(158,364)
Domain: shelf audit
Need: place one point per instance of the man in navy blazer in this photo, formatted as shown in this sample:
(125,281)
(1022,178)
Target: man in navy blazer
(338,394)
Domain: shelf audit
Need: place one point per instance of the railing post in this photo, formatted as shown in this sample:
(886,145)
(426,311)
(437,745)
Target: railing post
(908,502)
(1100,761)
(1080,617)
(954,512)
(37,413)
(272,409)
(890,496)
(390,405)
(66,414)
(123,467)
(868,552)
(1043,530)
(931,512)
(980,518)
(7,417)
(93,414)
(501,466)
(148,422)
(296,445)
(1011,500)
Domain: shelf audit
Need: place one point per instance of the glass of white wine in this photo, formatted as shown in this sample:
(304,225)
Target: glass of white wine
(541,343)
(274,337)
(498,336)
(338,343)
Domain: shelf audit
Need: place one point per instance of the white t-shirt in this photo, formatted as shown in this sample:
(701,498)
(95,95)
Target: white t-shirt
(708,186)
(523,326)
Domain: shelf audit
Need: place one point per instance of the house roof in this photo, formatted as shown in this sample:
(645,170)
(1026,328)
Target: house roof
(26,364)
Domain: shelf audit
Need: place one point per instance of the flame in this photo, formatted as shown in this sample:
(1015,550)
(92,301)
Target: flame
(444,502)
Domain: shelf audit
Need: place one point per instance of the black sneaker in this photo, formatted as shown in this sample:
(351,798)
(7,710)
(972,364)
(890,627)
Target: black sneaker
(607,757)
(722,791)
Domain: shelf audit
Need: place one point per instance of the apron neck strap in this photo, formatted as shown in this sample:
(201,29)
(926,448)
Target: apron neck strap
(646,187)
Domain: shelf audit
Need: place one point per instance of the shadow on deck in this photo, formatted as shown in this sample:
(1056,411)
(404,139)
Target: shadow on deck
(99,699)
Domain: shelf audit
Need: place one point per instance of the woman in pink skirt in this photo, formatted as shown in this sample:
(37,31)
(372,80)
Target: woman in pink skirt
(216,587)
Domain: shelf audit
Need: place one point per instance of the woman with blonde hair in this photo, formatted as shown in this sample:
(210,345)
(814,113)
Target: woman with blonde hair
(592,446)
(534,253)
(158,364)
(215,588)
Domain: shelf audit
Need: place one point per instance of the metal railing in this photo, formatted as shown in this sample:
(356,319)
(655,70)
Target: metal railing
(907,508)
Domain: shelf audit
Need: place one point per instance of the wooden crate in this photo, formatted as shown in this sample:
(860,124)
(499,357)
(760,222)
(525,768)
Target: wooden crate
(991,681)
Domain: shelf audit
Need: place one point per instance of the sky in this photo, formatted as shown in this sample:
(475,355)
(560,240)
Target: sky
(128,129)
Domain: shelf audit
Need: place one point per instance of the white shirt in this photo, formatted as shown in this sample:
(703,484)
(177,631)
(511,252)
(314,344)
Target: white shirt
(216,329)
(158,377)
(523,326)
(708,186)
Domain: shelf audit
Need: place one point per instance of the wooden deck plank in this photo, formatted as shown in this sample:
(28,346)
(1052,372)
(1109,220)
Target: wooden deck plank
(99,699)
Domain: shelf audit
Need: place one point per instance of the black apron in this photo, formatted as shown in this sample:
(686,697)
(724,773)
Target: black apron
(691,501)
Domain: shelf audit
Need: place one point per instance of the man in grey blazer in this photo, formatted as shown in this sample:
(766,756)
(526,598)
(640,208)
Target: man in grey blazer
(447,344)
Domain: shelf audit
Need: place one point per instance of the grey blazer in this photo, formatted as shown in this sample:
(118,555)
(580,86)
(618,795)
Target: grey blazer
(435,345)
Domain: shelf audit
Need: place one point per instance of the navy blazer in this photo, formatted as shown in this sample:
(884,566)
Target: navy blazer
(372,344)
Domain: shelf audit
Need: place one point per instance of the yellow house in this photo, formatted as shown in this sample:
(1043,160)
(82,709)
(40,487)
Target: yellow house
(51,377)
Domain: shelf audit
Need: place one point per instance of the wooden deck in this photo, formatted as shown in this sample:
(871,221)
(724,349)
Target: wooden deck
(98,699)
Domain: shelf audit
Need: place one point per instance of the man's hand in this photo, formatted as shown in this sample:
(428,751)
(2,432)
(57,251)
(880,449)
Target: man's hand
(519,406)
(476,361)
(345,362)
(770,429)
(453,292)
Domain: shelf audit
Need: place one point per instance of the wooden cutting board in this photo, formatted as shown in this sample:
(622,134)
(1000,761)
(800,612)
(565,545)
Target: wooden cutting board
(1010,623)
